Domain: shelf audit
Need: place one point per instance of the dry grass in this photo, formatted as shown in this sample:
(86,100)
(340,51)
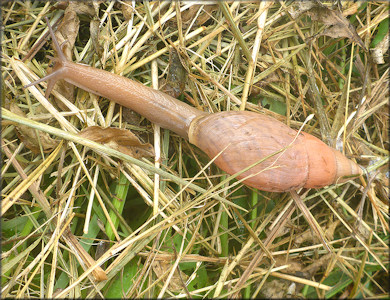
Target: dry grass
(86,223)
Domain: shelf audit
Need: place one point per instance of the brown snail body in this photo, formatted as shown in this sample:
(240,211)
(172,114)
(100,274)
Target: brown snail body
(243,137)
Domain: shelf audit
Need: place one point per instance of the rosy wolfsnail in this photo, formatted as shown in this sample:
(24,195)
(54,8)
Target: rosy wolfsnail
(291,160)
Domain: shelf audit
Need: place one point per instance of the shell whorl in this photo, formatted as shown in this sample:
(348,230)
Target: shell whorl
(248,137)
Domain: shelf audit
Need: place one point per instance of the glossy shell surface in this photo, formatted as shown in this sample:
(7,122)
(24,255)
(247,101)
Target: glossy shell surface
(285,161)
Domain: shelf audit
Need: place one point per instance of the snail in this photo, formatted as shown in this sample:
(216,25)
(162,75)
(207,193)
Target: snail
(287,159)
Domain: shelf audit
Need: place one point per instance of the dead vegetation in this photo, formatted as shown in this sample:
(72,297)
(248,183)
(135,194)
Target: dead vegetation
(87,213)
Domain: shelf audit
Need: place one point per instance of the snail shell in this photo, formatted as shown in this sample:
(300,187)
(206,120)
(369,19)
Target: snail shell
(248,137)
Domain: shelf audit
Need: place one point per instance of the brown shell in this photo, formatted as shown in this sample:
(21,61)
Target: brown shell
(248,137)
